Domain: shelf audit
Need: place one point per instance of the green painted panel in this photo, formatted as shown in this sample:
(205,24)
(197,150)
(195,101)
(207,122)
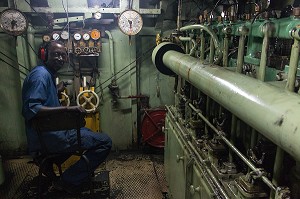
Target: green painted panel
(12,133)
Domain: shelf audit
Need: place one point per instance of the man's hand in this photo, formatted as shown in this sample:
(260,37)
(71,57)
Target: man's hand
(60,87)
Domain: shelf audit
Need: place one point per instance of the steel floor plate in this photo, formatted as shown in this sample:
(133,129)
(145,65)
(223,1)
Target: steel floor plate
(133,175)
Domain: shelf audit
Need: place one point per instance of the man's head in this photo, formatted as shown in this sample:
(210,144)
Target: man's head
(56,55)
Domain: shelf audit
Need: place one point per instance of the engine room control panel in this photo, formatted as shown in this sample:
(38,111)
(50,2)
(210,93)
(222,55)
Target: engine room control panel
(80,43)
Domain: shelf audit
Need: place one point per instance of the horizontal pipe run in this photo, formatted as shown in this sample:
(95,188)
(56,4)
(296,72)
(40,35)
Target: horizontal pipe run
(271,111)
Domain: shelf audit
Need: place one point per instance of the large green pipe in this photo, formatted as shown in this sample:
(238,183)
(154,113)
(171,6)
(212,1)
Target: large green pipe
(271,111)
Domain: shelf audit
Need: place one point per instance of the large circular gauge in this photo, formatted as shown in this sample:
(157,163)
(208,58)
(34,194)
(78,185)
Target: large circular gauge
(13,22)
(95,34)
(64,35)
(77,36)
(130,22)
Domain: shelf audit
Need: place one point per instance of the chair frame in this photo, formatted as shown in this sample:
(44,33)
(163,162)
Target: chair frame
(57,119)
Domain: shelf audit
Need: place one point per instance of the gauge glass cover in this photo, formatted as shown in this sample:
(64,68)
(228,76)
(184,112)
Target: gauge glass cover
(130,22)
(13,22)
(64,35)
(55,36)
(46,38)
(86,36)
(77,36)
(95,34)
(97,15)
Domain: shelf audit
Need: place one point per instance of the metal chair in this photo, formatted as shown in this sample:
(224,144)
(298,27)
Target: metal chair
(61,118)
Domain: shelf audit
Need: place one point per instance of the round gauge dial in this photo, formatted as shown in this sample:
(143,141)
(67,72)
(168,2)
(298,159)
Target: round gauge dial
(13,22)
(130,22)
(55,36)
(64,35)
(46,38)
(77,36)
(95,34)
(86,36)
(97,15)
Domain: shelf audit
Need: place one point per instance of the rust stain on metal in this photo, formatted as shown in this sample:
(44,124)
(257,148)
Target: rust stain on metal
(189,73)
(279,121)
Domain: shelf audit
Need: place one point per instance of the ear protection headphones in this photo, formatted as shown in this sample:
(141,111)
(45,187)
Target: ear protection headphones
(43,50)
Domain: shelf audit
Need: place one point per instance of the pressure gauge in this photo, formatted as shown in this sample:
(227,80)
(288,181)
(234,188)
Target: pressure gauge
(86,36)
(77,36)
(55,36)
(97,15)
(46,38)
(13,22)
(130,22)
(64,35)
(95,34)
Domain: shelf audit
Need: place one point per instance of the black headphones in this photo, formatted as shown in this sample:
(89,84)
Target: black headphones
(43,50)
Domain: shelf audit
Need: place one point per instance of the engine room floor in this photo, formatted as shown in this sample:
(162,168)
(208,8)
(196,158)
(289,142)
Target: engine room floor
(133,175)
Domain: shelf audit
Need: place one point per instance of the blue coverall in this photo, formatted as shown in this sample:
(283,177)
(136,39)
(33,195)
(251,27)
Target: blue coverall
(39,89)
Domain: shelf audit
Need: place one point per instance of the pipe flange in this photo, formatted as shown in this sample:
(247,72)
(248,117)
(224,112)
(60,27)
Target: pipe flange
(158,53)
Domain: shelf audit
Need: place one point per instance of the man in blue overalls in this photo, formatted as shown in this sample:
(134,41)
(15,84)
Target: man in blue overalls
(41,94)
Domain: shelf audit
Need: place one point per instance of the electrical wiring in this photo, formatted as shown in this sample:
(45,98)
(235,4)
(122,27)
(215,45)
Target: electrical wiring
(147,51)
(215,6)
(68,26)
(30,46)
(13,60)
(12,66)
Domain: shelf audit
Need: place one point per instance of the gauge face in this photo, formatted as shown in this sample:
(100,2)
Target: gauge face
(77,36)
(86,36)
(97,15)
(64,35)
(95,34)
(130,22)
(55,36)
(46,38)
(13,22)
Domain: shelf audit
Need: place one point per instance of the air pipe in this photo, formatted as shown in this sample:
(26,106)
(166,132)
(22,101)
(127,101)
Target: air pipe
(195,45)
(243,30)
(267,30)
(227,31)
(213,35)
(30,38)
(111,52)
(269,110)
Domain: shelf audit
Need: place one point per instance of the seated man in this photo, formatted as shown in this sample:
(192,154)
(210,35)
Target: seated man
(39,94)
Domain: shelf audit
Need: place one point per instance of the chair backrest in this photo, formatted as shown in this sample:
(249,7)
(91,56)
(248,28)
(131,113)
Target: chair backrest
(61,118)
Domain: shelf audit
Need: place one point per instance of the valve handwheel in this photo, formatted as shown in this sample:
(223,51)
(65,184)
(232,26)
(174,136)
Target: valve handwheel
(64,99)
(89,100)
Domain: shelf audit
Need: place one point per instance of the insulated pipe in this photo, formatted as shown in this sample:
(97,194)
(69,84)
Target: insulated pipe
(213,35)
(111,52)
(243,30)
(267,30)
(30,37)
(227,31)
(269,110)
(202,46)
(195,45)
